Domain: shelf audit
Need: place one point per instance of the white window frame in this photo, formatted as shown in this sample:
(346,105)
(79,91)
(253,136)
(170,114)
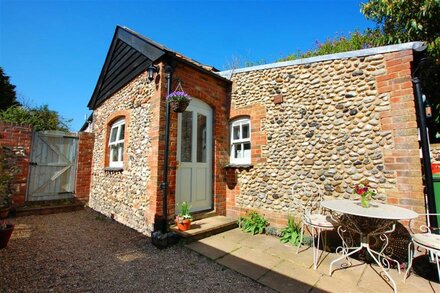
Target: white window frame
(243,160)
(120,160)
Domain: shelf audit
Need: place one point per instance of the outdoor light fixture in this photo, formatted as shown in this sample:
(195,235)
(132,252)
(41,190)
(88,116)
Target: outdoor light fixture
(151,70)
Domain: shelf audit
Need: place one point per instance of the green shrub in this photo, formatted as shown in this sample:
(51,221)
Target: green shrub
(252,222)
(292,233)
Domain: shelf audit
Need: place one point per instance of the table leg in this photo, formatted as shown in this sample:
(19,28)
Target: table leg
(372,252)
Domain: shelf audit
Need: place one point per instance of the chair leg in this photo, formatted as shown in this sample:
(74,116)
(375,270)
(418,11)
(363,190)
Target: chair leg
(438,265)
(410,260)
(300,238)
(316,250)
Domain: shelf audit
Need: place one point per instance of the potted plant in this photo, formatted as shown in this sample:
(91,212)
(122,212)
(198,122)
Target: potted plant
(365,191)
(5,185)
(178,100)
(5,233)
(184,218)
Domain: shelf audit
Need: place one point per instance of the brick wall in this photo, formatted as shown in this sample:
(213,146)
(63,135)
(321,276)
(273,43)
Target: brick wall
(402,160)
(18,139)
(84,165)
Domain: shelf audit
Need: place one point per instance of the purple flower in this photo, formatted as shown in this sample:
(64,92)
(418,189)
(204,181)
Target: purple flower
(178,96)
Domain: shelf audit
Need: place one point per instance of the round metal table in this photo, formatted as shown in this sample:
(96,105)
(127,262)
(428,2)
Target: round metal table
(382,220)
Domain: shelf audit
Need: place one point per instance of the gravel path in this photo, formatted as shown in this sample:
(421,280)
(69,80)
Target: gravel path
(84,251)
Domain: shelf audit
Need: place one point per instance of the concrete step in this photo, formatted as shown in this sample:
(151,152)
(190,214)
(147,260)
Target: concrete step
(206,227)
(49,207)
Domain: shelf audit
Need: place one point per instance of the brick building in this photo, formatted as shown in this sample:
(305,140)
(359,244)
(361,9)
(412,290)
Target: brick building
(249,134)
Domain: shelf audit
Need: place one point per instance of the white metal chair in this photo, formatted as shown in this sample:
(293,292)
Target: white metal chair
(310,196)
(429,240)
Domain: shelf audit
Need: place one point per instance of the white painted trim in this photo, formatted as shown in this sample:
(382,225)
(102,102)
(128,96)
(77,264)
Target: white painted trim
(344,55)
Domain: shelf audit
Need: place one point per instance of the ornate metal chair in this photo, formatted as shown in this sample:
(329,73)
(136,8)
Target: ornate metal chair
(308,195)
(429,240)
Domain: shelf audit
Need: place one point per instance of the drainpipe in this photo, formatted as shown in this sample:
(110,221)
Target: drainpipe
(164,184)
(421,117)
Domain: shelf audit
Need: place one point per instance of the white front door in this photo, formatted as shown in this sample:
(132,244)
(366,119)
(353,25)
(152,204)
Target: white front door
(194,156)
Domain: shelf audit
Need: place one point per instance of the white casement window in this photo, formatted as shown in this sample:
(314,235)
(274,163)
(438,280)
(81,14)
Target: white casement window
(241,141)
(116,143)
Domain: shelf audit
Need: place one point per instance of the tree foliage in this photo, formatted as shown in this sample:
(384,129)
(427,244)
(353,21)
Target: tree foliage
(403,21)
(8,96)
(41,118)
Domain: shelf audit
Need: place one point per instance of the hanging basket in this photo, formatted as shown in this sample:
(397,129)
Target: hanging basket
(178,99)
(179,106)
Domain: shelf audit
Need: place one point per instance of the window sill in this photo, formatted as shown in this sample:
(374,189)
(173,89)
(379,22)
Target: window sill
(239,166)
(113,169)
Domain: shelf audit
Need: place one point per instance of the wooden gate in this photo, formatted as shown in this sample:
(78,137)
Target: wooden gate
(52,166)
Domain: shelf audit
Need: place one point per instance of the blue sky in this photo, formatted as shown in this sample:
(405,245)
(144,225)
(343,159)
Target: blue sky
(54,50)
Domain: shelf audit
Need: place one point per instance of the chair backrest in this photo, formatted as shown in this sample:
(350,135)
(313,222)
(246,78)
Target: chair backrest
(307,196)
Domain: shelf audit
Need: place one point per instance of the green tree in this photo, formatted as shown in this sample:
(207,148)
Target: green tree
(8,96)
(41,118)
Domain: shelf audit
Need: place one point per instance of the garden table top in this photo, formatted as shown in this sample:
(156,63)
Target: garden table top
(376,209)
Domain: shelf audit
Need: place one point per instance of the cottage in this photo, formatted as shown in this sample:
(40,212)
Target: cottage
(249,134)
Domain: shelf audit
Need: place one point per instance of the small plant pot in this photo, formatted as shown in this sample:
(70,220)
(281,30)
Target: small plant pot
(179,106)
(4,212)
(184,225)
(5,235)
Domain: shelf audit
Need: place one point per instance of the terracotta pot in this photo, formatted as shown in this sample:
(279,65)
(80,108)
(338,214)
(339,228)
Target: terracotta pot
(4,212)
(179,106)
(185,225)
(5,234)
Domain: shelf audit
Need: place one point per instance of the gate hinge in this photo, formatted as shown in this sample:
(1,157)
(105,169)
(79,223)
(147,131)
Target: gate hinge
(33,163)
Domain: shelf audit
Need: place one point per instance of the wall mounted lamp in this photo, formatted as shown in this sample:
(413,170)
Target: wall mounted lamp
(151,70)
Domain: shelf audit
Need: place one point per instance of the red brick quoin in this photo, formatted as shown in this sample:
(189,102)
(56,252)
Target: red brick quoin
(403,160)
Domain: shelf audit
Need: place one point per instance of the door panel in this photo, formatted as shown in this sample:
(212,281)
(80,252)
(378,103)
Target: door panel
(194,152)
(53,166)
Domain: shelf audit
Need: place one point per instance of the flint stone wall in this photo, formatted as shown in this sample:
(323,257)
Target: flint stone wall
(124,195)
(326,130)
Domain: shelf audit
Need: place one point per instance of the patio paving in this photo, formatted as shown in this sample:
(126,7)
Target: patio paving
(265,259)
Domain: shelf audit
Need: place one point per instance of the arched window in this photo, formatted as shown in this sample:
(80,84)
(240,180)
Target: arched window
(116,143)
(241,141)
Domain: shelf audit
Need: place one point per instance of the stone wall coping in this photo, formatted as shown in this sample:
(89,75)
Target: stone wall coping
(358,53)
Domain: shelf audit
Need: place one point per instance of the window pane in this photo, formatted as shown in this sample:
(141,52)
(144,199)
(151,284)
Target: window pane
(246,150)
(121,132)
(245,131)
(113,153)
(237,151)
(121,151)
(201,138)
(186,147)
(113,134)
(236,132)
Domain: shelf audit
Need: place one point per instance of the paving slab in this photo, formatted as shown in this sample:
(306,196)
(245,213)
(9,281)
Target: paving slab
(249,262)
(260,242)
(212,247)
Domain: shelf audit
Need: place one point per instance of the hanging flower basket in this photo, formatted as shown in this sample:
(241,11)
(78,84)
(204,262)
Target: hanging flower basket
(178,100)
(179,106)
